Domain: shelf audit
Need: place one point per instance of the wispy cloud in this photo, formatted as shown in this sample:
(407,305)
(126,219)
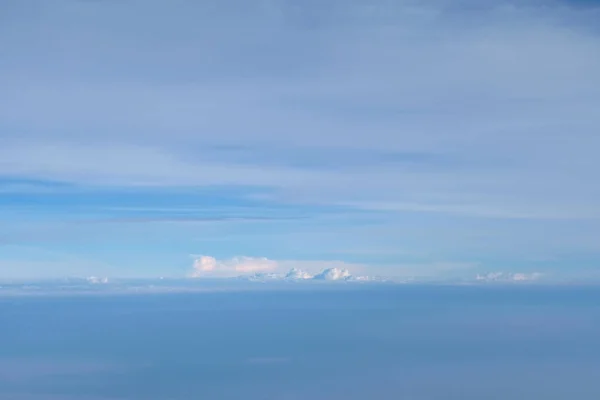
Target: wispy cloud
(461,129)
(491,108)
(509,277)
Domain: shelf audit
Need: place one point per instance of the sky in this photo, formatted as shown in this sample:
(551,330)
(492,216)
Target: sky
(409,139)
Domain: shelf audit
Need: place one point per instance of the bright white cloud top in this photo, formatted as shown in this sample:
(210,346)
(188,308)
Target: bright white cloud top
(263,268)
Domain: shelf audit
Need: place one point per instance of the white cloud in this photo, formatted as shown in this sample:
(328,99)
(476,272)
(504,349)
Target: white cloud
(519,277)
(96,280)
(262,268)
(251,265)
(508,277)
(333,274)
(298,274)
(207,266)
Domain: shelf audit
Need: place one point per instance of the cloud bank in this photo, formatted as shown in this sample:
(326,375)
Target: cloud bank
(505,277)
(210,266)
(261,268)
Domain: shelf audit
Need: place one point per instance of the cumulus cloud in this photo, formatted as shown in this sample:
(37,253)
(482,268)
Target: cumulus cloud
(265,269)
(262,268)
(205,264)
(333,274)
(296,273)
(508,277)
(210,266)
(97,280)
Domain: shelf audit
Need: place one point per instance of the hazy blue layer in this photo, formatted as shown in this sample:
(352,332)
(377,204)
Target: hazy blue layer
(384,343)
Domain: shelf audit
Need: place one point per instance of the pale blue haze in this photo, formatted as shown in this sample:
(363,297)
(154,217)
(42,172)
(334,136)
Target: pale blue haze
(394,342)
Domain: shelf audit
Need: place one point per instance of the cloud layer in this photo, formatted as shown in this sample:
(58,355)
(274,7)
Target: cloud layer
(210,266)
(509,277)
(446,103)
(261,267)
(382,133)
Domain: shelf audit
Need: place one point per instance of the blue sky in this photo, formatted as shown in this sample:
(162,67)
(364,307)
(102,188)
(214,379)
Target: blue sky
(432,139)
